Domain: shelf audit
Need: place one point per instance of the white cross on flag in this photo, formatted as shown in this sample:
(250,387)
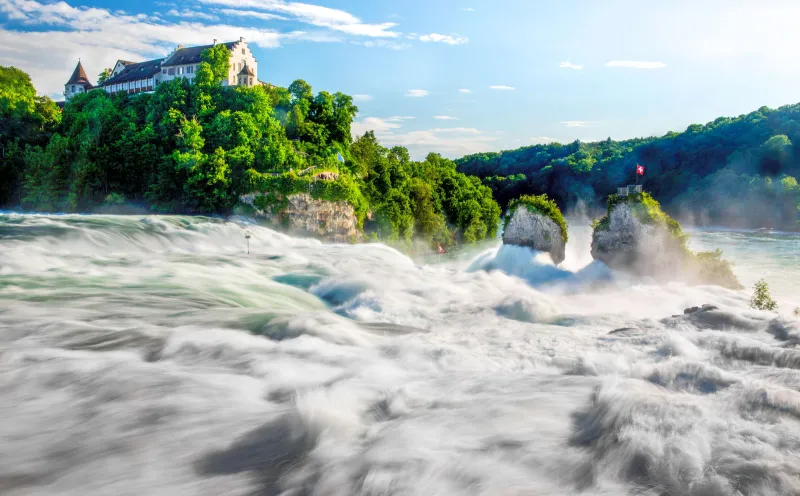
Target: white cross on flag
(640,169)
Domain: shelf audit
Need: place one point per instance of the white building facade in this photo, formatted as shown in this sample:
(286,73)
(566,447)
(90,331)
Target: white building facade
(183,62)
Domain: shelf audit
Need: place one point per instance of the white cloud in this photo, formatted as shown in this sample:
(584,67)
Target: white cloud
(264,16)
(450,142)
(468,9)
(362,98)
(316,15)
(543,140)
(464,90)
(417,93)
(502,87)
(570,65)
(445,117)
(392,45)
(191,14)
(635,64)
(449,39)
(576,123)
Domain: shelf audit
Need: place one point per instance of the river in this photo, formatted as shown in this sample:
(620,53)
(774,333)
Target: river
(153,355)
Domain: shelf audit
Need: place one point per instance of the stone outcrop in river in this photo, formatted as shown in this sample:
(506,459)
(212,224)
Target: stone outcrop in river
(532,224)
(304,215)
(638,237)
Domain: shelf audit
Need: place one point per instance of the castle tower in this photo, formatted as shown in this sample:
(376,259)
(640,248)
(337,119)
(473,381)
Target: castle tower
(246,77)
(78,83)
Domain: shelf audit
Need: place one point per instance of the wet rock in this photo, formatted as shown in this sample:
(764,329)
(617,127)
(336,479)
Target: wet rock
(536,231)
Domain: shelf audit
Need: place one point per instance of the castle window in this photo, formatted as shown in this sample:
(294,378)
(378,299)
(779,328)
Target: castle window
(73,88)
(240,66)
(163,71)
(172,72)
(243,52)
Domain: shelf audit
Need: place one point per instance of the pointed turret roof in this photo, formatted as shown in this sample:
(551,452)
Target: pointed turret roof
(79,76)
(246,71)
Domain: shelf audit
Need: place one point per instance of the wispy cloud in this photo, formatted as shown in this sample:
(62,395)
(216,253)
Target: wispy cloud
(635,64)
(448,39)
(191,14)
(417,93)
(449,141)
(316,15)
(264,16)
(501,87)
(382,43)
(570,65)
(543,140)
(362,98)
(577,123)
(465,90)
(468,9)
(445,117)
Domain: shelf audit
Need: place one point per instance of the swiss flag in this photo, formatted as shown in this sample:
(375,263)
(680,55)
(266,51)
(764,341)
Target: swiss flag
(640,169)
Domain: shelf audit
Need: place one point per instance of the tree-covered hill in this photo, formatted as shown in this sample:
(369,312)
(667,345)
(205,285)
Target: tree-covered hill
(197,147)
(739,172)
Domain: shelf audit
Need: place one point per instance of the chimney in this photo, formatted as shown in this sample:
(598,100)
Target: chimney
(215,41)
(241,39)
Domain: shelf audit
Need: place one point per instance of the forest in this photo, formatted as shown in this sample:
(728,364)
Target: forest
(735,172)
(194,148)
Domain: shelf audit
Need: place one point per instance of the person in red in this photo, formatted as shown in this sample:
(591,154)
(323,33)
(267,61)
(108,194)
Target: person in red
(440,249)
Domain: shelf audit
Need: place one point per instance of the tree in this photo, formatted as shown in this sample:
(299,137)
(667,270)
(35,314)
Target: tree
(761,299)
(300,90)
(218,59)
(103,76)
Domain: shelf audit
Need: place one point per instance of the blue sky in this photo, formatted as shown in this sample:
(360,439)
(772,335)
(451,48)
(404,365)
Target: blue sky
(456,76)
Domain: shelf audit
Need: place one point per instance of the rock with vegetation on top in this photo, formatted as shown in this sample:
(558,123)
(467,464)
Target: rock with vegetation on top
(638,237)
(302,214)
(536,222)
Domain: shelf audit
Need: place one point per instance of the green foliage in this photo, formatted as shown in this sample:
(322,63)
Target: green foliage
(218,59)
(729,171)
(710,266)
(103,76)
(196,147)
(114,199)
(543,205)
(761,299)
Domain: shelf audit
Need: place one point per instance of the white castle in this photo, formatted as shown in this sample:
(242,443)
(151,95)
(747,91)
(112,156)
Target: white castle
(143,77)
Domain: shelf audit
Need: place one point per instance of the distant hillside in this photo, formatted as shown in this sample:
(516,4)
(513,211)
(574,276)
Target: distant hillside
(737,172)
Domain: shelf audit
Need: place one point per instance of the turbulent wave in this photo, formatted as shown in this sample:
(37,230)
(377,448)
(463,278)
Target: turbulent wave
(153,355)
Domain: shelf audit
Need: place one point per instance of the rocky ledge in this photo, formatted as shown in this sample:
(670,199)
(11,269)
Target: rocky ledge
(301,214)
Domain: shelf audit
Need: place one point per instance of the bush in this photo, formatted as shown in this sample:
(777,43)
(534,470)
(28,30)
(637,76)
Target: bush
(540,204)
(711,267)
(761,299)
(114,199)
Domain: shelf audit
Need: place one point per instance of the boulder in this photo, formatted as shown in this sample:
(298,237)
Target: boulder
(536,231)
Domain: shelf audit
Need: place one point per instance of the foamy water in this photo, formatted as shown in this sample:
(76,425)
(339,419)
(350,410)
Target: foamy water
(152,355)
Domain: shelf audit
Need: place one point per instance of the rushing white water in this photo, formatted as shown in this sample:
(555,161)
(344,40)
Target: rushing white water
(154,356)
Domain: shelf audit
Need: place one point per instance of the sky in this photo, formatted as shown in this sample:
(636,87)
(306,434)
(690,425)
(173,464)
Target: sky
(455,76)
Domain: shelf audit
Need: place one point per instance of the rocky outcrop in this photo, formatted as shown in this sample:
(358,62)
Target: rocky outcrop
(536,231)
(637,237)
(627,243)
(304,215)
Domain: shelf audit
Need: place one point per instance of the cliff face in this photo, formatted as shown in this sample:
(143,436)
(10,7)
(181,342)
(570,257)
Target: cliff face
(526,228)
(304,215)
